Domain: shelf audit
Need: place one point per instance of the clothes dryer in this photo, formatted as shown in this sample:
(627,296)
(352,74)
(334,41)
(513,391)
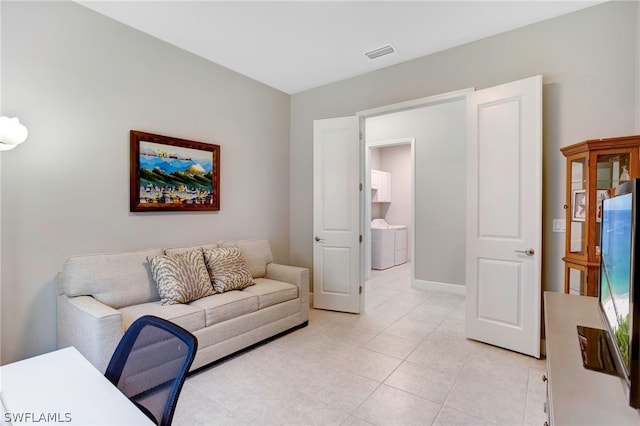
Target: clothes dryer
(388,244)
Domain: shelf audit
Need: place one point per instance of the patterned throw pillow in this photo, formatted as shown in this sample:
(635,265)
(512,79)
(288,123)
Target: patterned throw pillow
(228,269)
(181,278)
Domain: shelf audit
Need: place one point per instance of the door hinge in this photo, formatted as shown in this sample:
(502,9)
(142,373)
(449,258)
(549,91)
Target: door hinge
(360,290)
(360,187)
(360,135)
(360,237)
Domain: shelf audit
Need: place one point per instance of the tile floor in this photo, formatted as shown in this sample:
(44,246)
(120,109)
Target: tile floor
(405,361)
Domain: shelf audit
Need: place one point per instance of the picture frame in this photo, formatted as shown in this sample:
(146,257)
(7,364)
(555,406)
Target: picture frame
(601,194)
(579,206)
(173,174)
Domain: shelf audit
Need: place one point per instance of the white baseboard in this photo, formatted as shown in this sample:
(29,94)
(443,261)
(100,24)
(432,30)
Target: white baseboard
(434,285)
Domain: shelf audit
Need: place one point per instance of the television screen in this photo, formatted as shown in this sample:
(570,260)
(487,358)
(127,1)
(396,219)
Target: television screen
(615,276)
(620,281)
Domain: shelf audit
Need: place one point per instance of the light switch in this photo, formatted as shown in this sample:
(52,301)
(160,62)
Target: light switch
(559,225)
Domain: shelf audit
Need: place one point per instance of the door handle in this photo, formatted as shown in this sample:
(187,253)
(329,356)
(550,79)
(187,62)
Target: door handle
(318,239)
(528,252)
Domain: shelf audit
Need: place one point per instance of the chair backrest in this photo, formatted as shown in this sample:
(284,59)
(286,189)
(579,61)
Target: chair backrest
(150,365)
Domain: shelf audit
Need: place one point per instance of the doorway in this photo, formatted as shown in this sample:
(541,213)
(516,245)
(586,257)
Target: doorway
(436,224)
(389,201)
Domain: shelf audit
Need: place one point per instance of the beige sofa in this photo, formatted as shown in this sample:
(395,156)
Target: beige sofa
(100,295)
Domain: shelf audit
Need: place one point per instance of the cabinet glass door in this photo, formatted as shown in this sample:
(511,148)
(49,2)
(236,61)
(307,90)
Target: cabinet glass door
(576,278)
(612,170)
(578,213)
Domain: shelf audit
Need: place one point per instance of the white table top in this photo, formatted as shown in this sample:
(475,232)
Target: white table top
(63,387)
(578,396)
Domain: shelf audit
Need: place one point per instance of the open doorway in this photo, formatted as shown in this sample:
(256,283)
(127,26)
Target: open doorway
(436,228)
(389,204)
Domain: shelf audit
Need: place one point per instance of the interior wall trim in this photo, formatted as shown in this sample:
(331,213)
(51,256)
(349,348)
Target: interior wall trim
(434,285)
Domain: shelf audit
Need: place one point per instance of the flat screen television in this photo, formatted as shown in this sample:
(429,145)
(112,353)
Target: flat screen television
(619,289)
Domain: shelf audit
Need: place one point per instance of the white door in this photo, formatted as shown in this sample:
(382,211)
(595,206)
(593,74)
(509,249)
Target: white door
(336,215)
(504,215)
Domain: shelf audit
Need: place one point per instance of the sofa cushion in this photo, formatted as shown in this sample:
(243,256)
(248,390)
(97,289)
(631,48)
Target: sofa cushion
(255,326)
(181,278)
(115,279)
(257,253)
(186,316)
(178,250)
(271,292)
(221,307)
(227,269)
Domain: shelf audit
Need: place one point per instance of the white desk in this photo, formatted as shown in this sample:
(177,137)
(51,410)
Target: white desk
(64,387)
(578,396)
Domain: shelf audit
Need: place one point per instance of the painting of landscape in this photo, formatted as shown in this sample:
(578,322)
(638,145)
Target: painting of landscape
(171,176)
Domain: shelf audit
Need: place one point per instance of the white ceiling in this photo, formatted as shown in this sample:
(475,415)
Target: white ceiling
(298,45)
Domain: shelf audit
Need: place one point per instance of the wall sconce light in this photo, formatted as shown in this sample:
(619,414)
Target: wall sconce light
(12,133)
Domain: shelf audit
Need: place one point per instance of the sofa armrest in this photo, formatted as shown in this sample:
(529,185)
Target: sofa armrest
(94,328)
(293,275)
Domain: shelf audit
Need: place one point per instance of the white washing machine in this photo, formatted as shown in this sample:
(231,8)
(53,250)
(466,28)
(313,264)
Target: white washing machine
(383,252)
(388,244)
(402,239)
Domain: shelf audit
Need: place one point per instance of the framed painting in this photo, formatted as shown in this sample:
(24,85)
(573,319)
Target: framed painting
(172,174)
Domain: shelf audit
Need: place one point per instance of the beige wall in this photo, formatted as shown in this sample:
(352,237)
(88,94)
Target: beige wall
(587,59)
(80,82)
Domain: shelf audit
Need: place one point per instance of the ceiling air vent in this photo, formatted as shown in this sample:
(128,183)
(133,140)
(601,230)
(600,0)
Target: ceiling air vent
(381,51)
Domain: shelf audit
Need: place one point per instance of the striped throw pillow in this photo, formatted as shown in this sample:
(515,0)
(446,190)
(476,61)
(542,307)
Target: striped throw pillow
(181,278)
(228,269)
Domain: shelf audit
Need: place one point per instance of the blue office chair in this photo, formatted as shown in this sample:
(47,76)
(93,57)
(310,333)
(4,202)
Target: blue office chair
(150,365)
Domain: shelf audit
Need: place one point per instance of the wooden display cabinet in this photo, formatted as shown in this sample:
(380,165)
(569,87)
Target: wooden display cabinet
(593,167)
